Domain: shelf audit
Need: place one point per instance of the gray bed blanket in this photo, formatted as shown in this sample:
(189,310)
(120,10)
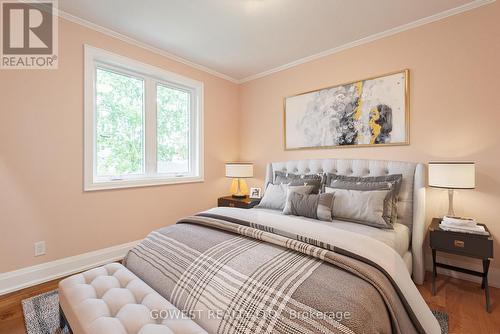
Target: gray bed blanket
(234,276)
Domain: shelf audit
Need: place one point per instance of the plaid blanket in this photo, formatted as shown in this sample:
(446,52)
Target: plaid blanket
(234,276)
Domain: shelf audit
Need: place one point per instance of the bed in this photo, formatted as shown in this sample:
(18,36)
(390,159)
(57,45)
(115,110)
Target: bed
(259,271)
(411,204)
(398,238)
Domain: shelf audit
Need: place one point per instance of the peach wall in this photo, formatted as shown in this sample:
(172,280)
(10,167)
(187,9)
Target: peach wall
(455,114)
(455,106)
(41,159)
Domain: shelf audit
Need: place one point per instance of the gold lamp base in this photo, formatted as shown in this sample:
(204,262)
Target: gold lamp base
(239,188)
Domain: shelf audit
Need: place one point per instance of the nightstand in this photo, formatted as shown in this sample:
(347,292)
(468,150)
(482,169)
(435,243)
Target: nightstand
(243,203)
(464,244)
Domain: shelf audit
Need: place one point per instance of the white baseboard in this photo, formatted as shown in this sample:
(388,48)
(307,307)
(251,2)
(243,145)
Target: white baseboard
(23,278)
(493,273)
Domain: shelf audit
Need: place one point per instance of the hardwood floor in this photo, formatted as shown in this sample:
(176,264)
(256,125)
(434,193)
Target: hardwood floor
(465,304)
(11,311)
(462,300)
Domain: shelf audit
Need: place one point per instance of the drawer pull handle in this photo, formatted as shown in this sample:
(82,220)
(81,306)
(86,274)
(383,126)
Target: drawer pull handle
(459,243)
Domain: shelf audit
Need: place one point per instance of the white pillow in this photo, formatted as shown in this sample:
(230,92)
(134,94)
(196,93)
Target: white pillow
(276,195)
(359,206)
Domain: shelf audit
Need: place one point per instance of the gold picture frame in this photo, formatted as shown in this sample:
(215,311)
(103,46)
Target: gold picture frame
(368,124)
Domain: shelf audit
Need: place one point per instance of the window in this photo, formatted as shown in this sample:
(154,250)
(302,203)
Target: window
(143,125)
(172,129)
(119,124)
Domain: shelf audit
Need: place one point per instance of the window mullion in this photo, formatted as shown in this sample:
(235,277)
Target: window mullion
(150,127)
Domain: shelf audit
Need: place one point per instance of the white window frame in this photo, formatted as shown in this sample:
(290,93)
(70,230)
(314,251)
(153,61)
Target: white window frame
(152,76)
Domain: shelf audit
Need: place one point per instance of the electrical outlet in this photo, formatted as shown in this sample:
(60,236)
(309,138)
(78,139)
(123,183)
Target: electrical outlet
(39,248)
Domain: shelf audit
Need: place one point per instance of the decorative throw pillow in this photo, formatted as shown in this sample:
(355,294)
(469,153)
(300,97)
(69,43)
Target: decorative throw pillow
(364,207)
(392,181)
(275,195)
(311,206)
(295,189)
(314,180)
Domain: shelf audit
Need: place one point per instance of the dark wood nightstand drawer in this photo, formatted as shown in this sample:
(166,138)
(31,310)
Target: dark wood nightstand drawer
(467,244)
(459,243)
(464,244)
(243,203)
(235,204)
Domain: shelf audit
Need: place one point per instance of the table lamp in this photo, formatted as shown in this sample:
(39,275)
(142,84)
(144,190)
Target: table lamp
(238,171)
(452,175)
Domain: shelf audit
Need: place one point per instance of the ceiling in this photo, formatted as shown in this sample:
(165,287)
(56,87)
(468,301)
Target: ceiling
(244,39)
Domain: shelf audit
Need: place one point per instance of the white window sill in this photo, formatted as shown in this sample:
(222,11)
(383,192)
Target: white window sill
(144,182)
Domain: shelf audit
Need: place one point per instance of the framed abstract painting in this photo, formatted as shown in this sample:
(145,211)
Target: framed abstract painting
(370,112)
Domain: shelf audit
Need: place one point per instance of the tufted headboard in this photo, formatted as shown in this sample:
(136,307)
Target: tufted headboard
(411,204)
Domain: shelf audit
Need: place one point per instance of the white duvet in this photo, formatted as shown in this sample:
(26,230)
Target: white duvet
(364,246)
(398,238)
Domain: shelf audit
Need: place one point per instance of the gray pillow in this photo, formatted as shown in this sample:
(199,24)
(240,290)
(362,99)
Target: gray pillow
(317,206)
(392,182)
(314,180)
(276,195)
(397,179)
(360,206)
(295,189)
(356,185)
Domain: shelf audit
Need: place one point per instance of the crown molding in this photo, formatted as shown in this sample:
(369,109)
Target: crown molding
(109,32)
(420,22)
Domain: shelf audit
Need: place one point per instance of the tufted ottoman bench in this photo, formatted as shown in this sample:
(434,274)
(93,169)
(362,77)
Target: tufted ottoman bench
(112,300)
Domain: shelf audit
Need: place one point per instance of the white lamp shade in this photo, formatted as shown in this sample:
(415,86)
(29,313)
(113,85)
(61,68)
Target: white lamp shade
(452,175)
(239,169)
